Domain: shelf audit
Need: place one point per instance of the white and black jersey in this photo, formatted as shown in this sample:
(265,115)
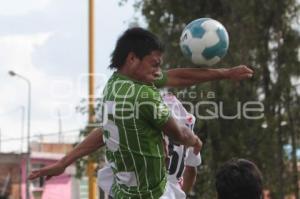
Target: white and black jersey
(179,155)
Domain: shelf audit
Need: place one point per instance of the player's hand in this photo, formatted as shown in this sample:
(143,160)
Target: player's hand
(48,171)
(239,73)
(197,146)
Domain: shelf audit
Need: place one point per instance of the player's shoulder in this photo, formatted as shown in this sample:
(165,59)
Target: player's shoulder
(161,81)
(148,93)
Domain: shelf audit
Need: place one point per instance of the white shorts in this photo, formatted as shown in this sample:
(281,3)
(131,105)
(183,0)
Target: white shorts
(105,178)
(173,191)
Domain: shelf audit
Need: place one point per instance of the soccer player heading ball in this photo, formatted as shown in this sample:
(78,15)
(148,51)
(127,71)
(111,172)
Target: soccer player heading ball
(137,118)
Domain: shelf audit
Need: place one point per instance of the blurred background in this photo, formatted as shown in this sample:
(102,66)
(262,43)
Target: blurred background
(45,45)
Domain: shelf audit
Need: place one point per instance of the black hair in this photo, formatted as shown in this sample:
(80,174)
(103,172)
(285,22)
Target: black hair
(137,40)
(239,179)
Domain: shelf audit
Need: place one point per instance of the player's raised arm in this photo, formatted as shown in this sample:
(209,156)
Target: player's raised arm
(191,163)
(205,42)
(91,143)
(181,77)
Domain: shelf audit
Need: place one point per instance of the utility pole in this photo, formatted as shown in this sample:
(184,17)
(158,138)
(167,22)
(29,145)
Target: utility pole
(60,140)
(28,164)
(294,139)
(280,153)
(91,115)
(22,127)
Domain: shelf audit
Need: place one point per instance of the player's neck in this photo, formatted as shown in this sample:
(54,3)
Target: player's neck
(126,72)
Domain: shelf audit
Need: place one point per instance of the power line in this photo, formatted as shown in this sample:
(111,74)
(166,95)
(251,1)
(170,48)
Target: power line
(10,111)
(48,134)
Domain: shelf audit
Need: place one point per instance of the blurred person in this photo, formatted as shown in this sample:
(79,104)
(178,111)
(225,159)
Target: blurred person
(239,179)
(267,194)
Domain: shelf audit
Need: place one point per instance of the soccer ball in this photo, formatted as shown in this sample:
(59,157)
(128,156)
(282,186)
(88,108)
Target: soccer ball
(204,41)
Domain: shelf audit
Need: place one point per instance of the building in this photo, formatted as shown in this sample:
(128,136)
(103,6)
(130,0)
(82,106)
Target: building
(65,186)
(10,175)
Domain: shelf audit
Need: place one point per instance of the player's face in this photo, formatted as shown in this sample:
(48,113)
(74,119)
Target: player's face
(149,67)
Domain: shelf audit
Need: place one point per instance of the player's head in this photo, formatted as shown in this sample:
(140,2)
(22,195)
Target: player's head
(239,178)
(140,52)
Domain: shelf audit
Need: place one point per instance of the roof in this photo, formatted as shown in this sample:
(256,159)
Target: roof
(47,155)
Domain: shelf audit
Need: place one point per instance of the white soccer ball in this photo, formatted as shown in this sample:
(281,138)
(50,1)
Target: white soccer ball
(204,41)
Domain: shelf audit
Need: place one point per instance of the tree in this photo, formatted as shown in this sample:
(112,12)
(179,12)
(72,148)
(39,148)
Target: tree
(262,35)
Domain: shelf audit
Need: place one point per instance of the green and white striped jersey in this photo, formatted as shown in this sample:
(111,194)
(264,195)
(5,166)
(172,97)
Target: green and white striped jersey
(134,114)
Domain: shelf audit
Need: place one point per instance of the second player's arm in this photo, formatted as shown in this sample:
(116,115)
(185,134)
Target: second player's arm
(189,178)
(181,134)
(90,144)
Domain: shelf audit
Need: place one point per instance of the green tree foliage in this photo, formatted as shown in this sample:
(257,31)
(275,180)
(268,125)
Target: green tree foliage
(263,35)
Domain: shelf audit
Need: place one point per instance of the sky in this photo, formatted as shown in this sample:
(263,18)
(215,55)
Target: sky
(46,42)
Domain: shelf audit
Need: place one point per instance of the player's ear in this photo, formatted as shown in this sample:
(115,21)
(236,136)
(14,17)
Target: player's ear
(131,58)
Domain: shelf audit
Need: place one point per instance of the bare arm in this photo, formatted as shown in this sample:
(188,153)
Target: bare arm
(182,77)
(182,134)
(189,178)
(90,144)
